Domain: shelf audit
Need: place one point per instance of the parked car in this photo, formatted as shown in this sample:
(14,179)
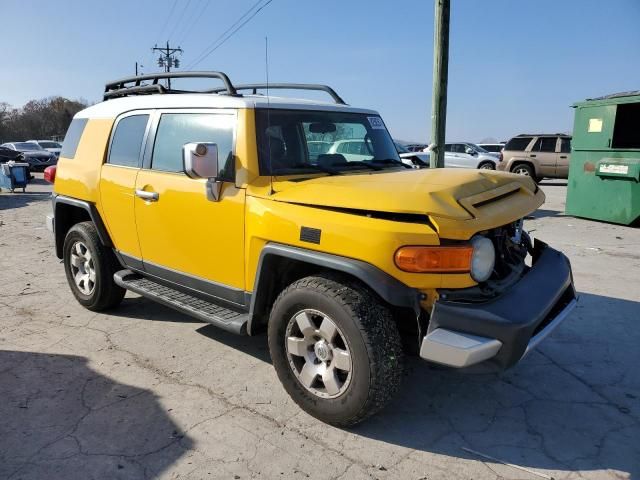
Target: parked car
(49,146)
(492,147)
(7,154)
(415,159)
(537,156)
(468,155)
(210,204)
(37,157)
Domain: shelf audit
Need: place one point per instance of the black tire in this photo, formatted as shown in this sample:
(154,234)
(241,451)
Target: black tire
(105,293)
(487,166)
(372,337)
(521,168)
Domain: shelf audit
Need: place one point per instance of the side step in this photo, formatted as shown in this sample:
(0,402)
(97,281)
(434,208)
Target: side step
(222,317)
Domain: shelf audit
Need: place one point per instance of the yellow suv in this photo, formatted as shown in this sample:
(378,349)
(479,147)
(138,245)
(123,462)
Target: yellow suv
(220,204)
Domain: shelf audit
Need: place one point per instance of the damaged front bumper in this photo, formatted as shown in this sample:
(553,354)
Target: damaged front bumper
(499,332)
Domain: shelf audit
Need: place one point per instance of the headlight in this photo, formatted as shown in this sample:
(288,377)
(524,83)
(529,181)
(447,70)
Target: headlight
(483,258)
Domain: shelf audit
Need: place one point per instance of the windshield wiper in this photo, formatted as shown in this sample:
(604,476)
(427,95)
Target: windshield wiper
(312,166)
(391,161)
(357,164)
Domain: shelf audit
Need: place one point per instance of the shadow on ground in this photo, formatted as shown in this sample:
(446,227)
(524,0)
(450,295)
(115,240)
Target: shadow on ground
(60,419)
(543,213)
(572,405)
(18,199)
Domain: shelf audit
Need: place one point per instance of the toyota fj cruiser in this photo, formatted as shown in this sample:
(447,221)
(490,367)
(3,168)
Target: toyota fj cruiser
(214,204)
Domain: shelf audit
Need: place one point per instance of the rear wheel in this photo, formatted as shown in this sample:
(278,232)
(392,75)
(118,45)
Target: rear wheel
(90,267)
(336,349)
(525,170)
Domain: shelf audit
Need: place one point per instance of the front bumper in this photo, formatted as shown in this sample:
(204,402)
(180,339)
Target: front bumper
(499,332)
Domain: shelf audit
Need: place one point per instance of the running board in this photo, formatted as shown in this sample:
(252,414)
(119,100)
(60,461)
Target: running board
(222,317)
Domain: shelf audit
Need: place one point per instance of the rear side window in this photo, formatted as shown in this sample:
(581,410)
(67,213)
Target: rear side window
(545,144)
(127,140)
(565,145)
(518,144)
(177,129)
(72,138)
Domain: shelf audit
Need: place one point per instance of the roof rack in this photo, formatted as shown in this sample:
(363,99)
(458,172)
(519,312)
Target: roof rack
(119,88)
(135,86)
(286,86)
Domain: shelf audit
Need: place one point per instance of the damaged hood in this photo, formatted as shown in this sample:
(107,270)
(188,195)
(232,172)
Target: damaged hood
(456,200)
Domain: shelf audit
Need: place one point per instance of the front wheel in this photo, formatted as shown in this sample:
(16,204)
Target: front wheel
(336,349)
(525,170)
(90,267)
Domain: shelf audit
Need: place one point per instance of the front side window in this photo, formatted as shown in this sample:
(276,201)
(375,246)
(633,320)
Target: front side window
(459,148)
(127,141)
(300,141)
(177,129)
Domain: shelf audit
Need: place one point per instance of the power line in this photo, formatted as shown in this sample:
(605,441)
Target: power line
(212,44)
(222,39)
(166,22)
(189,27)
(175,25)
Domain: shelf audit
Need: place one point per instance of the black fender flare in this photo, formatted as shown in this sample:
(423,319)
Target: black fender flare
(94,215)
(390,289)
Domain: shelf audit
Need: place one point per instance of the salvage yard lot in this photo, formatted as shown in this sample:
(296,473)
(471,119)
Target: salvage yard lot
(145,392)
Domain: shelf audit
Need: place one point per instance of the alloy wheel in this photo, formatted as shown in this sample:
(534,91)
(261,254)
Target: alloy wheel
(318,353)
(82,268)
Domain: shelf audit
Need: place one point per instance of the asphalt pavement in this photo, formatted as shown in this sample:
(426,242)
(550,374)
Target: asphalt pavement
(145,392)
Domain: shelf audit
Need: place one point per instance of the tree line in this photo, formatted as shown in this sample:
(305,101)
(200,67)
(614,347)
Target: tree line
(38,119)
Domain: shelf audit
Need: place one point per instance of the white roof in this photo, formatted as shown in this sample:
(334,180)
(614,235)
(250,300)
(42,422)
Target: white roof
(113,108)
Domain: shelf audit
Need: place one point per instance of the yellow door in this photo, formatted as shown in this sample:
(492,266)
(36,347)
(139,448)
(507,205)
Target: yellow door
(118,180)
(184,237)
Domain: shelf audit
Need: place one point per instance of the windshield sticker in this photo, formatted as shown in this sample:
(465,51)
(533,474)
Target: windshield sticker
(376,122)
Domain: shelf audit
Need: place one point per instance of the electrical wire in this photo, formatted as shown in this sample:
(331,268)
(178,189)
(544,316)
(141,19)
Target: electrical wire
(166,22)
(189,26)
(227,34)
(175,25)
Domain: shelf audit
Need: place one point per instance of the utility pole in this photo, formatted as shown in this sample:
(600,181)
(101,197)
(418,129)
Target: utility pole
(168,59)
(440,79)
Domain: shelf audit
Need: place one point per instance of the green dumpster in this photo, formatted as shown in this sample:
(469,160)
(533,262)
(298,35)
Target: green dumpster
(604,171)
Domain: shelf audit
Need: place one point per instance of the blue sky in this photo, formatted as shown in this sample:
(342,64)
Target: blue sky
(515,66)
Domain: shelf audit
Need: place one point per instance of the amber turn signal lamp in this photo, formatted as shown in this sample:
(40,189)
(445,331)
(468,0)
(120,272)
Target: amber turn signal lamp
(441,259)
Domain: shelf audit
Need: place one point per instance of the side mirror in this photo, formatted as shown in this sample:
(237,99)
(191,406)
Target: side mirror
(469,151)
(200,160)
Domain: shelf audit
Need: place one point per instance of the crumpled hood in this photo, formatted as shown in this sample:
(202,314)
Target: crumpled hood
(446,195)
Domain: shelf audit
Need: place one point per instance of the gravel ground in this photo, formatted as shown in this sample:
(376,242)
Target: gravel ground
(145,392)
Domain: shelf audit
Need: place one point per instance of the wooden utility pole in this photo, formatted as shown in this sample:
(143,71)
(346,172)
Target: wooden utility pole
(440,78)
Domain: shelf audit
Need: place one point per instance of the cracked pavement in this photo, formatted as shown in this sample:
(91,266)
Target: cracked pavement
(145,392)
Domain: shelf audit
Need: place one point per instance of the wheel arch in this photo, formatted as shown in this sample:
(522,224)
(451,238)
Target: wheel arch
(67,212)
(280,265)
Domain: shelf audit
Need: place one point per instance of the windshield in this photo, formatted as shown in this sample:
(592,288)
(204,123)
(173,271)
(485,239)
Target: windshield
(478,148)
(402,148)
(50,145)
(22,146)
(299,141)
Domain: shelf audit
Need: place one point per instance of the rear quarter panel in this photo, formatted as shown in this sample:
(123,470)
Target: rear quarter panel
(79,177)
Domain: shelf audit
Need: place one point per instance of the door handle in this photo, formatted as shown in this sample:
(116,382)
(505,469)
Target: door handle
(148,196)
(532,156)
(563,156)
